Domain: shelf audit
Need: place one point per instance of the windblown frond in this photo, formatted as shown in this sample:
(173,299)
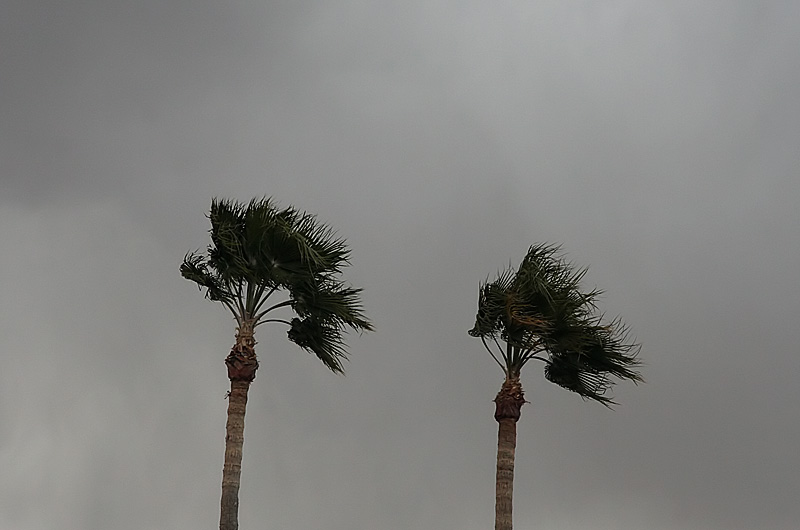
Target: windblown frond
(539,311)
(330,301)
(195,268)
(493,306)
(257,250)
(322,339)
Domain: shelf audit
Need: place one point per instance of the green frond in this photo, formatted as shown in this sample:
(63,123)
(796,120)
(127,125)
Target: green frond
(609,349)
(319,246)
(540,308)
(492,306)
(226,254)
(257,249)
(567,371)
(195,268)
(330,301)
(321,339)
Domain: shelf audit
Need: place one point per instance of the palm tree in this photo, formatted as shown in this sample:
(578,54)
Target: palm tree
(259,250)
(539,312)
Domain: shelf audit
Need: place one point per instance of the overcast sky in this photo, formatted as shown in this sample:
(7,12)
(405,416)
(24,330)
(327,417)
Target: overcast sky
(657,141)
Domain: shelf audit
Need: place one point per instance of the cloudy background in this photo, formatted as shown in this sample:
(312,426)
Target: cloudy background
(658,142)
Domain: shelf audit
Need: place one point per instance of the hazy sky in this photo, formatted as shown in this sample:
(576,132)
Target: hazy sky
(657,141)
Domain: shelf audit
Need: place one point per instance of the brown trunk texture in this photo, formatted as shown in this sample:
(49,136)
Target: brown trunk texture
(242,365)
(504,487)
(507,408)
(232,469)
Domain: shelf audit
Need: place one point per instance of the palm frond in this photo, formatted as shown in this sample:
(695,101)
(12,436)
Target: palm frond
(321,339)
(226,254)
(319,247)
(195,268)
(257,249)
(540,308)
(492,306)
(567,371)
(330,301)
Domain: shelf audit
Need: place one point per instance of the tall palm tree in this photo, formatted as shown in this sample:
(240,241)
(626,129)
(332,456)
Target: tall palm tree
(259,250)
(539,312)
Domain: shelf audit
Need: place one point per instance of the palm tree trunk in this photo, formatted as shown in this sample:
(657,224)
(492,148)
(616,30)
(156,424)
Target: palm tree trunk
(242,365)
(504,487)
(232,469)
(507,408)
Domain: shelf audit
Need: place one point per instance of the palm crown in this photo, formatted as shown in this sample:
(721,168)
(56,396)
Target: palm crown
(258,250)
(539,312)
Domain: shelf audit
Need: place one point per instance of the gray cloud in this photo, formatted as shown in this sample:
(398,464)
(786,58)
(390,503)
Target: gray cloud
(658,143)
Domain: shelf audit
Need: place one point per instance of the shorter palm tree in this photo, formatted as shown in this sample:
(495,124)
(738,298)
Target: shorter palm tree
(539,312)
(257,251)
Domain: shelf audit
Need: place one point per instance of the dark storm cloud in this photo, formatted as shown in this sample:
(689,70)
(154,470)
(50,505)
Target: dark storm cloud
(657,142)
